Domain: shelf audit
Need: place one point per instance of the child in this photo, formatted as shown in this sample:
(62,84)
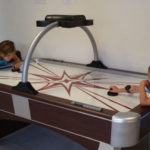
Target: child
(8,54)
(142,89)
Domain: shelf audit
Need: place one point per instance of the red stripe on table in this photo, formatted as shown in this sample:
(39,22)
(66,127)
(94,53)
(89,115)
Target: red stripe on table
(97,99)
(109,100)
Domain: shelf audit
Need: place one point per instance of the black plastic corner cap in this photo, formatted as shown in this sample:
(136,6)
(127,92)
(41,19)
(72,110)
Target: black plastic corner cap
(25,87)
(97,64)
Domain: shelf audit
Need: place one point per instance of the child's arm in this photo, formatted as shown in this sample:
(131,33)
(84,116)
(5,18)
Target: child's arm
(144,99)
(16,64)
(115,89)
(132,89)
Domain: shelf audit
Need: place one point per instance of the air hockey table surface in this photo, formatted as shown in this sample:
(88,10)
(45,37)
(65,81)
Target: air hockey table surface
(73,100)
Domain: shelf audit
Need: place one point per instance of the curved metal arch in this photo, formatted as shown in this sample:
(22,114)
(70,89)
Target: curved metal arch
(95,50)
(38,38)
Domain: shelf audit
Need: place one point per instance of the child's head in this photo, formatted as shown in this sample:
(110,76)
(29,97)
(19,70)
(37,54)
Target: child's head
(7,50)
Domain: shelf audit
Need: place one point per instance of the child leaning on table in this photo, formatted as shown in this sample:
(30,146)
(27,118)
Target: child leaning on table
(8,54)
(142,89)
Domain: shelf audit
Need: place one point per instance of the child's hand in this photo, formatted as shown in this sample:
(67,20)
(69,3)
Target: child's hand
(114,89)
(16,66)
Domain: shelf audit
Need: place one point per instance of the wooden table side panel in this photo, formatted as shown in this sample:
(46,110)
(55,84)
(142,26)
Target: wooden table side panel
(6,102)
(89,126)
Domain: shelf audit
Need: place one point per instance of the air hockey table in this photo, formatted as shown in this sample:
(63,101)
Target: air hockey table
(72,99)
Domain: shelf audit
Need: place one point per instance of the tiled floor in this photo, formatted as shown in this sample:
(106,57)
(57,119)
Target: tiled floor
(37,138)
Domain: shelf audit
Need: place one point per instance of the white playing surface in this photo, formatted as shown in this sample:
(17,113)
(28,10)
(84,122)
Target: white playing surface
(79,84)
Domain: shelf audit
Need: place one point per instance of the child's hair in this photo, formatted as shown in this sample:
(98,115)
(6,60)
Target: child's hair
(7,47)
(149,69)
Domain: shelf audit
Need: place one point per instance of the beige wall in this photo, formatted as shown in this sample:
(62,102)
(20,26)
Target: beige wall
(121,29)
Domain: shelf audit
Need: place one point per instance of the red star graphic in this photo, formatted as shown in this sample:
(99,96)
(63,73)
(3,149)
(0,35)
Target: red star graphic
(66,81)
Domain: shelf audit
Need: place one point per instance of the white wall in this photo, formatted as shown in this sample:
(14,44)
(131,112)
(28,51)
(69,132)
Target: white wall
(121,29)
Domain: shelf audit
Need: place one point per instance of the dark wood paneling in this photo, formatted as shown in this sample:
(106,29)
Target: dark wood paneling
(144,111)
(6,102)
(89,126)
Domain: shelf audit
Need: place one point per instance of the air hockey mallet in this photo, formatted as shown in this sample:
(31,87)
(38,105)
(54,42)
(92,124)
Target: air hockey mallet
(112,93)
